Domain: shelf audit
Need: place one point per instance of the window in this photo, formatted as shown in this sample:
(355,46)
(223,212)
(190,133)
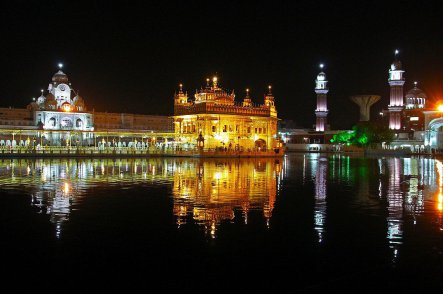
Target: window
(225,128)
(249,130)
(214,129)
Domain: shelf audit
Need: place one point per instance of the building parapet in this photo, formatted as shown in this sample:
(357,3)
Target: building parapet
(209,108)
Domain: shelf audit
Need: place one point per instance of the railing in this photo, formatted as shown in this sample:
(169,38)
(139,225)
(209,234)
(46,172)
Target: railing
(129,151)
(221,109)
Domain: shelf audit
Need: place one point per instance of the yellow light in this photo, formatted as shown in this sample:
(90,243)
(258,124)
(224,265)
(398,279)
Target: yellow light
(440,108)
(66,188)
(66,108)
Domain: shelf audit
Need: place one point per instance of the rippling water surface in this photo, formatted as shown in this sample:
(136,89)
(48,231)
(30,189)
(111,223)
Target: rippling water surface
(302,223)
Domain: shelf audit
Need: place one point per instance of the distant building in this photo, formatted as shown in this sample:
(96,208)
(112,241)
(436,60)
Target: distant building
(60,117)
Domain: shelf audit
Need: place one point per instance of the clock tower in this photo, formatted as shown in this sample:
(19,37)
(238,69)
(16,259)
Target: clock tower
(60,87)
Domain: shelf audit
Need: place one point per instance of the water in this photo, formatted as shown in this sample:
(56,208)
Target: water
(302,223)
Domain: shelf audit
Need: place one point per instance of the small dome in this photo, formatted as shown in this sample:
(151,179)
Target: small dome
(33,106)
(50,102)
(41,100)
(78,99)
(60,77)
(79,103)
(396,65)
(321,77)
(416,93)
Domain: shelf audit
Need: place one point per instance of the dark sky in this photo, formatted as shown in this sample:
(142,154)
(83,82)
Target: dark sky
(130,55)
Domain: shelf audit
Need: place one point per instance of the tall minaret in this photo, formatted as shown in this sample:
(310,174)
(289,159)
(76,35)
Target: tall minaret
(396,82)
(321,89)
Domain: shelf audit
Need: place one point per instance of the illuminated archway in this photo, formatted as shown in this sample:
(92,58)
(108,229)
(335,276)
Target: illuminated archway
(260,144)
(434,136)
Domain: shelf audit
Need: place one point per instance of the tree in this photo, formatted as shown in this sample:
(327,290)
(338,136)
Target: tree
(365,134)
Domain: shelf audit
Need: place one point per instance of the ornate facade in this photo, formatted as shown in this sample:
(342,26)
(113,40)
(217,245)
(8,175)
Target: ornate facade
(60,118)
(214,120)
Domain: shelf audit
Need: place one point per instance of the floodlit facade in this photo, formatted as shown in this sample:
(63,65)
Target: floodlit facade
(214,120)
(59,117)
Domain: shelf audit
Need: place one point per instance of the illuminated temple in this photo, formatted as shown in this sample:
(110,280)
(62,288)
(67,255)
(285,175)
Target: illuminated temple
(210,124)
(59,117)
(216,121)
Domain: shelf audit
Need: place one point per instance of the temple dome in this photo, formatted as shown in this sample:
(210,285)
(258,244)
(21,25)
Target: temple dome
(60,77)
(416,93)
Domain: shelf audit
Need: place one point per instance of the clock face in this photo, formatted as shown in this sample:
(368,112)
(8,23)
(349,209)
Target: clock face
(62,87)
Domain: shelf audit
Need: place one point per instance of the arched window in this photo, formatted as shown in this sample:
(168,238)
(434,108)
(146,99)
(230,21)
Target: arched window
(51,122)
(78,123)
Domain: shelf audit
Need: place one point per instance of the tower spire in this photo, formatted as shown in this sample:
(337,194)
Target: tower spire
(396,82)
(321,89)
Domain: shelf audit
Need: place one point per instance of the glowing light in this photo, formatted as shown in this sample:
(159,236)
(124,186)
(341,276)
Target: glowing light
(396,52)
(440,108)
(60,65)
(66,107)
(66,188)
(321,65)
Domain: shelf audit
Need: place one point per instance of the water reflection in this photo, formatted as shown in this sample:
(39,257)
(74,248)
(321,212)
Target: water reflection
(320,168)
(207,192)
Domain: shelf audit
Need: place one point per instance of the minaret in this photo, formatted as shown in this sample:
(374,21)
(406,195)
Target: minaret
(321,89)
(396,82)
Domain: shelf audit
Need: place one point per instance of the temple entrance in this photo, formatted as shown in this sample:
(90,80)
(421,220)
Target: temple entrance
(260,145)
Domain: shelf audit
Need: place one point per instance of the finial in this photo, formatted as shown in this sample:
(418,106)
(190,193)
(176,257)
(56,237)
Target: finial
(396,52)
(415,84)
(321,65)
(214,81)
(33,98)
(270,89)
(181,87)
(41,91)
(60,66)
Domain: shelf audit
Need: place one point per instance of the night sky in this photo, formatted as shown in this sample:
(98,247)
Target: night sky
(131,57)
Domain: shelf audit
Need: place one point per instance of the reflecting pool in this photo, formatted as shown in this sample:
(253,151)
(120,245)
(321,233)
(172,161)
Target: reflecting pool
(301,223)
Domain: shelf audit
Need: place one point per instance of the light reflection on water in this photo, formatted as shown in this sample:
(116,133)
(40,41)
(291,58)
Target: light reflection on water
(211,192)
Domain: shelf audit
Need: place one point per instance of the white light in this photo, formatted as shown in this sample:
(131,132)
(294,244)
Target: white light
(321,65)
(396,51)
(60,65)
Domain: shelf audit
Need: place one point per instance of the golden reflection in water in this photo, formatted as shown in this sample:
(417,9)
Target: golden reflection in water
(209,192)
